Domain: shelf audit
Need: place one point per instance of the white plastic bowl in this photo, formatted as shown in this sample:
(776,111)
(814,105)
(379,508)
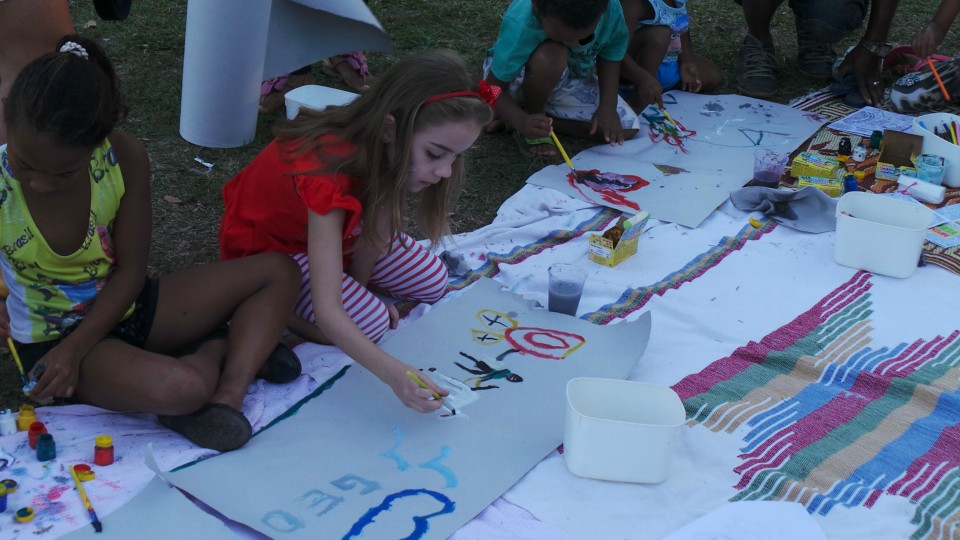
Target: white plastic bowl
(621,430)
(314,96)
(880,234)
(933,144)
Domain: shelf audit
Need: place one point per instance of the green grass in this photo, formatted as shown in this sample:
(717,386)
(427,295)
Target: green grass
(147,49)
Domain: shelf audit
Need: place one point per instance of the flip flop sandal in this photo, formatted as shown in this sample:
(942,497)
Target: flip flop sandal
(281,367)
(357,63)
(214,426)
(524,144)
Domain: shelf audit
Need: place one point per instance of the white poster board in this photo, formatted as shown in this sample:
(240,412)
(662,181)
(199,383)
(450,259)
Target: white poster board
(680,171)
(353,461)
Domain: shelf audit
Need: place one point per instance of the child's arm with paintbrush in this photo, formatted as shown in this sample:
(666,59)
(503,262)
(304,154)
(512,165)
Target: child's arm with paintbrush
(325,257)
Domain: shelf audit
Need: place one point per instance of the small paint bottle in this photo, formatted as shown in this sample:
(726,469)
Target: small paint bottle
(875,138)
(24,514)
(36,429)
(850,184)
(845,147)
(860,152)
(3,498)
(103,450)
(8,422)
(25,417)
(46,447)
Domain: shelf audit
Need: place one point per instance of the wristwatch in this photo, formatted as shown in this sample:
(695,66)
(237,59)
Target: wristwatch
(878,49)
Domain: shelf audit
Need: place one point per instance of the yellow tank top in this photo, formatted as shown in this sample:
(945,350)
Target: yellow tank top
(51,292)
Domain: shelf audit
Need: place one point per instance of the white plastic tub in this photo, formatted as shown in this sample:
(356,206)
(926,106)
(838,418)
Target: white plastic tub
(314,96)
(879,234)
(933,144)
(621,430)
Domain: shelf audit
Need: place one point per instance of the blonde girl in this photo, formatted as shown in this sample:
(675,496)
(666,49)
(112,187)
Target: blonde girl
(331,190)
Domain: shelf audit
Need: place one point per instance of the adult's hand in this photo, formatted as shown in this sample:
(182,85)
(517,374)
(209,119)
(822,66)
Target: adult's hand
(866,71)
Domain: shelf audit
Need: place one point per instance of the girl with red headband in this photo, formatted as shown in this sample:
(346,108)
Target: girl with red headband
(330,191)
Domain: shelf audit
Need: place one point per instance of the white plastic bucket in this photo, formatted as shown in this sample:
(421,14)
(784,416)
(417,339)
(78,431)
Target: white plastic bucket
(933,144)
(879,234)
(621,430)
(314,96)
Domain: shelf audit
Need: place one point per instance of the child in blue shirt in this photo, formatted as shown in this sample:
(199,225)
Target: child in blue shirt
(660,56)
(571,50)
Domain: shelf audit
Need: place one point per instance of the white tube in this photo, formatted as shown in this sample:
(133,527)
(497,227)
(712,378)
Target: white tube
(920,190)
(223,59)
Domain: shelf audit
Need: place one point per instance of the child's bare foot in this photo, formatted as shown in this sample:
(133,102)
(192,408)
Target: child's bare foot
(351,68)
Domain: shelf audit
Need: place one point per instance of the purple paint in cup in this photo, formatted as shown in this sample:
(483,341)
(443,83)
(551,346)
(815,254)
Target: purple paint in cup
(768,166)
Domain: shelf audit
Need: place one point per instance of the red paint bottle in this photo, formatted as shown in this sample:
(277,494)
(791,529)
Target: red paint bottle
(103,450)
(34,431)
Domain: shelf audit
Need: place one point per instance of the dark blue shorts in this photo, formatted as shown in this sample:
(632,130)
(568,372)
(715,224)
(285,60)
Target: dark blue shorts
(134,330)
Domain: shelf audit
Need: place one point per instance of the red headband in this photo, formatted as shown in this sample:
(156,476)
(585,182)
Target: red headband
(488,93)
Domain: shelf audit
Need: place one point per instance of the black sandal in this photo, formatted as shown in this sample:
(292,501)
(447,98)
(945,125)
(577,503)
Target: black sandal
(214,426)
(281,367)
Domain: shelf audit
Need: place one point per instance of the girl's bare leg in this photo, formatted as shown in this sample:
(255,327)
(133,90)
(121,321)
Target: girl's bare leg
(255,293)
(118,376)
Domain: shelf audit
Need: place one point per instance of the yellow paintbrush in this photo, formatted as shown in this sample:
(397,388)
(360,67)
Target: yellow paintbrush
(563,152)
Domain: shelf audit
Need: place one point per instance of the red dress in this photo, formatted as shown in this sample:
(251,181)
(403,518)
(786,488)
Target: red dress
(265,204)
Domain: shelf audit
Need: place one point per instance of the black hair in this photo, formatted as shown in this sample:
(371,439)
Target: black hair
(73,96)
(575,14)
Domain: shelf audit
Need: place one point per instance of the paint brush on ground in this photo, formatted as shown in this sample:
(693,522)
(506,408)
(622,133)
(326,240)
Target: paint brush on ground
(936,75)
(436,395)
(94,520)
(16,358)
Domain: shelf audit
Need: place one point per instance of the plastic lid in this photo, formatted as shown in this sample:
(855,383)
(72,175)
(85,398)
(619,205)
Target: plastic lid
(859,174)
(103,441)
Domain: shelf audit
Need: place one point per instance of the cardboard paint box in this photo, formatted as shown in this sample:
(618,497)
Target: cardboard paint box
(831,186)
(603,251)
(813,164)
(898,155)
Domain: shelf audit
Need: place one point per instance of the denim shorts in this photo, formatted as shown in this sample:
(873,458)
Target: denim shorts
(829,21)
(134,330)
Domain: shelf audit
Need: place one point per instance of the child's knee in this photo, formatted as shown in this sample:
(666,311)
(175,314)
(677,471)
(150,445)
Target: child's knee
(376,323)
(654,39)
(549,57)
(281,271)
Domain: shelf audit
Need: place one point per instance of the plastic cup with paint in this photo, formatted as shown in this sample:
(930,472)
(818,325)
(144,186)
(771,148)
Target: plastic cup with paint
(566,286)
(930,168)
(768,166)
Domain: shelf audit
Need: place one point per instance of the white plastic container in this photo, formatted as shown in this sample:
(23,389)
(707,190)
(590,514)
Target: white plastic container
(880,234)
(314,96)
(933,144)
(621,430)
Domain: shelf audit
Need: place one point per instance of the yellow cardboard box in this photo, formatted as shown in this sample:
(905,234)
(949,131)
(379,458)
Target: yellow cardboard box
(602,250)
(898,155)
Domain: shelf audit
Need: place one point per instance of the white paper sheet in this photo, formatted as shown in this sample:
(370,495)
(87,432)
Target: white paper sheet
(354,461)
(680,172)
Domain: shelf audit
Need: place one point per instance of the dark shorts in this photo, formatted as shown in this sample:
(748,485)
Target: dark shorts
(134,330)
(829,21)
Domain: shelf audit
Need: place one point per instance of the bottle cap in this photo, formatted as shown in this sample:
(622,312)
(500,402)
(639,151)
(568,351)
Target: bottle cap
(103,441)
